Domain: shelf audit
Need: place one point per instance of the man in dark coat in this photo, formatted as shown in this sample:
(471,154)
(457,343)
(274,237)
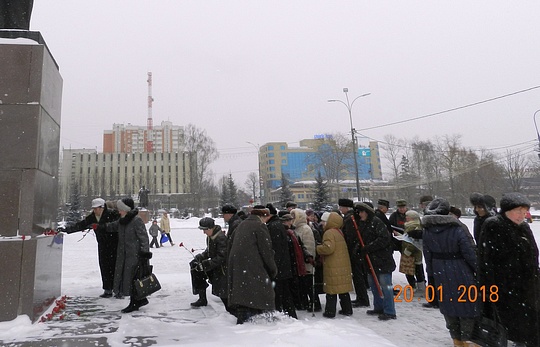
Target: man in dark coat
(210,264)
(508,265)
(485,206)
(282,257)
(350,233)
(380,212)
(107,241)
(251,267)
(378,247)
(233,218)
(397,218)
(451,260)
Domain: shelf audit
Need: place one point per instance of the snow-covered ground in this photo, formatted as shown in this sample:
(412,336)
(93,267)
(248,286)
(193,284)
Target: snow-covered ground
(170,321)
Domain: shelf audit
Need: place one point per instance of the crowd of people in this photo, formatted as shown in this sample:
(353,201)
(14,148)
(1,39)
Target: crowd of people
(269,260)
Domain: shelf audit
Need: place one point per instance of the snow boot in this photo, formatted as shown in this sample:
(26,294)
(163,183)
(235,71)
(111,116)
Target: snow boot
(202,300)
(345,303)
(330,307)
(458,343)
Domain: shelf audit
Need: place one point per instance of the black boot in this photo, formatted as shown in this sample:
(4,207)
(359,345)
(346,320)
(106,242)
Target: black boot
(106,294)
(202,300)
(330,308)
(345,303)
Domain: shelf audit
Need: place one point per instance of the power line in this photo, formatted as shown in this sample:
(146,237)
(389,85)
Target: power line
(451,109)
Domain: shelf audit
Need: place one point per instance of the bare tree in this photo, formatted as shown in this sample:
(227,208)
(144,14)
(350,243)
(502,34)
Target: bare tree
(515,168)
(392,148)
(202,152)
(252,183)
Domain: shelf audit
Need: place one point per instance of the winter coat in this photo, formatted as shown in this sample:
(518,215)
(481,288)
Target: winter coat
(451,259)
(132,242)
(154,230)
(508,259)
(251,266)
(103,238)
(304,232)
(280,245)
(107,242)
(214,260)
(377,244)
(298,263)
(337,265)
(233,223)
(398,220)
(382,216)
(165,224)
(411,246)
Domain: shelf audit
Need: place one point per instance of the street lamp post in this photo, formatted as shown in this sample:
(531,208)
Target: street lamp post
(258,148)
(537,133)
(349,106)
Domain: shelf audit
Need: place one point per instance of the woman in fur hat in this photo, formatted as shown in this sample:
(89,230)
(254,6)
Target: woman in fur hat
(508,263)
(484,207)
(451,260)
(133,251)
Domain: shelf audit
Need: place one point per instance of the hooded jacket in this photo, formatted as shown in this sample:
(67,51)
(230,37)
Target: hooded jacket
(304,232)
(336,263)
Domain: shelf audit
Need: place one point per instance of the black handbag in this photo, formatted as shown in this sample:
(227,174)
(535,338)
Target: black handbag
(489,332)
(145,286)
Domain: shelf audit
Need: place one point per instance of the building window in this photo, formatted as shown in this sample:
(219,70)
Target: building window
(282,148)
(270,155)
(270,148)
(271,161)
(272,168)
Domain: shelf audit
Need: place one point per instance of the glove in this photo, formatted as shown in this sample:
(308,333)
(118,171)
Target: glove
(61,230)
(206,264)
(195,265)
(199,257)
(310,260)
(145,255)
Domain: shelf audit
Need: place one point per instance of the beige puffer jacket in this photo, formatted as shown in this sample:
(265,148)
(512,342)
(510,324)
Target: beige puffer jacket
(337,265)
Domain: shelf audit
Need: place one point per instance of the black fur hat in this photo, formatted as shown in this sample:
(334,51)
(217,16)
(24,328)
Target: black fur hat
(486,201)
(438,206)
(509,201)
(271,208)
(346,203)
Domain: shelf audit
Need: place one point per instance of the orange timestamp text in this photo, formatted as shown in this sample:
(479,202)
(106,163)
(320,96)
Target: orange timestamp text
(470,293)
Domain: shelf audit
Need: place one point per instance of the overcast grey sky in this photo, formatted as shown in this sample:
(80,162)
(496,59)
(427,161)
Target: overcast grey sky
(262,71)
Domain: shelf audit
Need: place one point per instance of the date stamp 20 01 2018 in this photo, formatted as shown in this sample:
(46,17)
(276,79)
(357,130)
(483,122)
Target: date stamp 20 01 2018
(471,293)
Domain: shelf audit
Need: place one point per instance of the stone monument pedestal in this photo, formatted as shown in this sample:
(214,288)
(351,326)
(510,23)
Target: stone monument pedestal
(30,105)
